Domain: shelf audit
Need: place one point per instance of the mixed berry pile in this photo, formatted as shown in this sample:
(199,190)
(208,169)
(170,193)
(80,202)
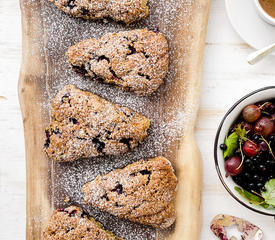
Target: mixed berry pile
(250,146)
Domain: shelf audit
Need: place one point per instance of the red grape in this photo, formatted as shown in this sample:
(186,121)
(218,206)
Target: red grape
(232,166)
(263,146)
(248,127)
(250,148)
(251,113)
(272,108)
(264,126)
(268,107)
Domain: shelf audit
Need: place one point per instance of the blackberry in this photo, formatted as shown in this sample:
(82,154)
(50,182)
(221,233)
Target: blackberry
(223,147)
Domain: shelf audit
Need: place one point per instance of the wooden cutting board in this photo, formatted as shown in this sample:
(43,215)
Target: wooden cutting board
(47,33)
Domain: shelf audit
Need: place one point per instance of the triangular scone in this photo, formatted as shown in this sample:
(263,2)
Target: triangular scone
(127,11)
(143,192)
(85,125)
(134,60)
(72,224)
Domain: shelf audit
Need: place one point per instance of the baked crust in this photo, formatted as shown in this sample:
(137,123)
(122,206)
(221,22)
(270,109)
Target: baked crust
(72,224)
(127,11)
(84,125)
(134,60)
(142,192)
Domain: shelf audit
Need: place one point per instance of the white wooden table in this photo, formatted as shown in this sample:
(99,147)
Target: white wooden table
(226,78)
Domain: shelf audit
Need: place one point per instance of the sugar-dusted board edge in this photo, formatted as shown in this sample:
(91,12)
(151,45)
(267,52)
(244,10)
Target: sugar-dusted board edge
(33,86)
(188,163)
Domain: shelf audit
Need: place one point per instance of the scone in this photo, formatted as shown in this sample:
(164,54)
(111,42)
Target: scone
(143,192)
(85,125)
(72,224)
(127,11)
(134,60)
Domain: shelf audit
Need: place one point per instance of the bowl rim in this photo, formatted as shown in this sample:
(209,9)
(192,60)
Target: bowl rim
(216,147)
(264,14)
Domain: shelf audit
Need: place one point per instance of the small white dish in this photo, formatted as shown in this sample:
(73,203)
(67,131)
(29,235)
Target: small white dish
(232,114)
(263,13)
(249,25)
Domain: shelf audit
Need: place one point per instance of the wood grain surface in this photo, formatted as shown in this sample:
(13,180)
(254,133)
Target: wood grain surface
(43,65)
(226,78)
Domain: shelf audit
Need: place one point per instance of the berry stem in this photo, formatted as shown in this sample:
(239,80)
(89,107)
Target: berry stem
(258,194)
(269,147)
(266,113)
(263,105)
(242,155)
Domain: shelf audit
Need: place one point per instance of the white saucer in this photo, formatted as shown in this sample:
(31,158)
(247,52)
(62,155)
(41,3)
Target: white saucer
(248,24)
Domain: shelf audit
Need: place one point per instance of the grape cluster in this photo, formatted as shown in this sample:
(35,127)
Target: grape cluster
(253,162)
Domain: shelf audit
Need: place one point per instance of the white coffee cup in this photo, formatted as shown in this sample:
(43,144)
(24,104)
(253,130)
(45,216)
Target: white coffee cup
(264,15)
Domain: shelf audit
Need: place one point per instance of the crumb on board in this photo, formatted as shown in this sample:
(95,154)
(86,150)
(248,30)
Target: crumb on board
(67,199)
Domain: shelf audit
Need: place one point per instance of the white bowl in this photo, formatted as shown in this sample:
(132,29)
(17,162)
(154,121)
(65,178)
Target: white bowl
(264,14)
(262,94)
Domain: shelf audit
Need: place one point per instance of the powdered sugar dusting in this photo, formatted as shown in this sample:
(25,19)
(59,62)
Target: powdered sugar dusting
(62,31)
